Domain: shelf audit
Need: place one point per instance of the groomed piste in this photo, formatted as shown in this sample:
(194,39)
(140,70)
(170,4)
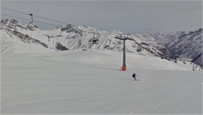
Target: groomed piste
(90,82)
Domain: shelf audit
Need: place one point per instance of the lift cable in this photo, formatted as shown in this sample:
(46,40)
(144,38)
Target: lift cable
(29,20)
(34,15)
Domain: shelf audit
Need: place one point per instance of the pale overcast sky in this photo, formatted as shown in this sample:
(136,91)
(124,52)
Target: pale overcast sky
(126,16)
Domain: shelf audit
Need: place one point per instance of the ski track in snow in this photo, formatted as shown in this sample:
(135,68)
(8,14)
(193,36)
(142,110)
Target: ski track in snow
(89,82)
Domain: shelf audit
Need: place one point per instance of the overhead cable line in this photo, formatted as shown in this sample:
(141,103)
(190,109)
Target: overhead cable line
(50,19)
(14,10)
(29,20)
(34,15)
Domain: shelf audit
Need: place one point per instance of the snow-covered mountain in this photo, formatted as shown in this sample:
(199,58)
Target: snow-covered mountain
(183,45)
(21,38)
(17,37)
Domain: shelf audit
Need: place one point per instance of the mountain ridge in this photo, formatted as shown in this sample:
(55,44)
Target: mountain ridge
(181,44)
(77,37)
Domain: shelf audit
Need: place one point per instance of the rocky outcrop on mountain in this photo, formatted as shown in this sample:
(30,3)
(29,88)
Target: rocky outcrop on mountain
(26,38)
(198,60)
(59,46)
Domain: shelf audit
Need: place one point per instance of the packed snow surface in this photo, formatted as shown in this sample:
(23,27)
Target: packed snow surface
(89,82)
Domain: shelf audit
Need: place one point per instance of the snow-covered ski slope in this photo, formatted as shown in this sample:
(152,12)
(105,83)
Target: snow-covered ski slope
(89,82)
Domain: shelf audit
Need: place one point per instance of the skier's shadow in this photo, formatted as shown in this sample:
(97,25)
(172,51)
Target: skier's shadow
(138,80)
